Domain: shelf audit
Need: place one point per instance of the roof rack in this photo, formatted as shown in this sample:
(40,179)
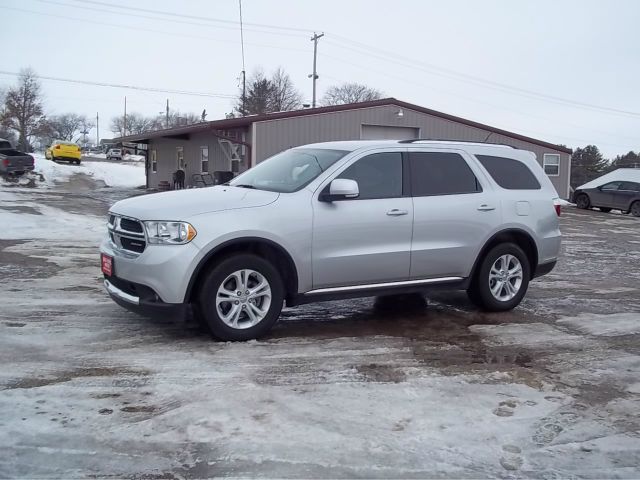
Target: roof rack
(414,140)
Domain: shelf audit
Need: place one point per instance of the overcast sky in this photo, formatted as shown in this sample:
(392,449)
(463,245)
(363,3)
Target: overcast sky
(563,71)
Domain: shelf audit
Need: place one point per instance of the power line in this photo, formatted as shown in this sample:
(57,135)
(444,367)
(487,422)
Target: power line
(194,17)
(129,87)
(142,29)
(169,20)
(435,70)
(392,57)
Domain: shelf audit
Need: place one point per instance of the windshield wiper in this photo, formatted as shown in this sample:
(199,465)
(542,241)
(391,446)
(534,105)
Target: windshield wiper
(244,185)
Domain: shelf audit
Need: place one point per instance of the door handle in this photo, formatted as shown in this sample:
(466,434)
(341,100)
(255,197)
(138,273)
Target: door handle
(486,208)
(396,212)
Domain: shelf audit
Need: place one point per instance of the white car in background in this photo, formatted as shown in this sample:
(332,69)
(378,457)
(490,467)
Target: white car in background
(114,154)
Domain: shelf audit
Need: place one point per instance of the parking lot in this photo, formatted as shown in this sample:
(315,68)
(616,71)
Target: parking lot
(366,388)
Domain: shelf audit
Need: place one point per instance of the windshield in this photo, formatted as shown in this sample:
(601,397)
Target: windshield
(289,171)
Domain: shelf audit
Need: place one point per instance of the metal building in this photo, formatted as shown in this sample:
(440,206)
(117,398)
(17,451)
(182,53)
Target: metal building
(236,144)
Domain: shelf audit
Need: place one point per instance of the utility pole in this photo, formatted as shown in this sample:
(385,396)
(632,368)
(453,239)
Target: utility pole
(167,113)
(314,75)
(244,76)
(97,129)
(125,117)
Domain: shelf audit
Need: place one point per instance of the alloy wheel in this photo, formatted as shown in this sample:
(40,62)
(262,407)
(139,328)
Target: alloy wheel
(243,299)
(505,277)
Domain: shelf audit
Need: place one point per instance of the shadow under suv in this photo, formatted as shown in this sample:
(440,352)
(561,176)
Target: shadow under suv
(336,220)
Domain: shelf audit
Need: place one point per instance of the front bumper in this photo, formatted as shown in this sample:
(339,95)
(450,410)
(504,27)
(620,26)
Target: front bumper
(142,300)
(164,269)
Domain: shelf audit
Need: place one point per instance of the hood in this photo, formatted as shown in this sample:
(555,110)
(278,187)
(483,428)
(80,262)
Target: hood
(621,174)
(183,204)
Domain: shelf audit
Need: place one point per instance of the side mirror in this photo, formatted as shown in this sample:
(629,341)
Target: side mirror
(340,189)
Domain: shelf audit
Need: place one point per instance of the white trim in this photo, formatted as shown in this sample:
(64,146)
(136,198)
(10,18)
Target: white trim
(407,283)
(544,163)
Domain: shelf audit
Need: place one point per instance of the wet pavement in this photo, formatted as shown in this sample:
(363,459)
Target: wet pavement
(403,388)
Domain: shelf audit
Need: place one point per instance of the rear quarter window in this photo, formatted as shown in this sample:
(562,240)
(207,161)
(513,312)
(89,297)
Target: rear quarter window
(509,173)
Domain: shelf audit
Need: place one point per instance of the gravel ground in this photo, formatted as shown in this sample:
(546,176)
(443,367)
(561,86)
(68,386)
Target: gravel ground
(366,388)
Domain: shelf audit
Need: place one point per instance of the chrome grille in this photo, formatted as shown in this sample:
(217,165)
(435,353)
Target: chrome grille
(127,234)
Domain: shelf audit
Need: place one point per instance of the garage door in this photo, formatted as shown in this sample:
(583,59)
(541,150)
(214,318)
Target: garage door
(382,132)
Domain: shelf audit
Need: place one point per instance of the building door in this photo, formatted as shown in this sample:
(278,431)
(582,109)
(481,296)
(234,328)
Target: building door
(383,132)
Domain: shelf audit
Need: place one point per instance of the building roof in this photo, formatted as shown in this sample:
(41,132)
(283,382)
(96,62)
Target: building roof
(230,123)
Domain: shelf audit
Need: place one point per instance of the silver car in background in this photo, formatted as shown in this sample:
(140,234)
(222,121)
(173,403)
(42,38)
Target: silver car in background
(337,220)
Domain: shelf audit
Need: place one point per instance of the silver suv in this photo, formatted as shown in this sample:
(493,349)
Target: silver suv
(336,220)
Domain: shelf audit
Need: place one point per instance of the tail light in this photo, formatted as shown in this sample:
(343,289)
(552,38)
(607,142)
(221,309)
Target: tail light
(558,206)
(33,160)
(57,147)
(5,162)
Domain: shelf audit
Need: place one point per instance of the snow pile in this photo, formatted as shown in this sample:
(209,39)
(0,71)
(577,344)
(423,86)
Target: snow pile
(604,325)
(564,203)
(112,174)
(133,158)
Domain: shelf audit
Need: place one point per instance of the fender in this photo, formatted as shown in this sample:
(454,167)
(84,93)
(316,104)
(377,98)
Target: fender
(508,231)
(237,241)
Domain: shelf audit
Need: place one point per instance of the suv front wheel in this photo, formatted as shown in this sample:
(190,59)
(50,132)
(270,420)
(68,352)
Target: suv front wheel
(502,278)
(241,298)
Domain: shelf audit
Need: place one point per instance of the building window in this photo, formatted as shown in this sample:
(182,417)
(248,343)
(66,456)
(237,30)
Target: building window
(180,158)
(154,161)
(204,159)
(551,164)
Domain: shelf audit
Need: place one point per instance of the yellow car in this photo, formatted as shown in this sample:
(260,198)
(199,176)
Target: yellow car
(60,150)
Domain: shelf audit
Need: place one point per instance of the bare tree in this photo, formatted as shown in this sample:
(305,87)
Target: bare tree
(284,96)
(349,93)
(67,125)
(135,124)
(23,112)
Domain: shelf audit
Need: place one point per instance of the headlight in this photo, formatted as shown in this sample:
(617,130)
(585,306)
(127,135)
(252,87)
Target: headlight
(169,233)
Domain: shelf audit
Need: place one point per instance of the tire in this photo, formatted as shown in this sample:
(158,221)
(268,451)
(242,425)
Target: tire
(635,208)
(604,209)
(77,162)
(222,283)
(480,291)
(583,201)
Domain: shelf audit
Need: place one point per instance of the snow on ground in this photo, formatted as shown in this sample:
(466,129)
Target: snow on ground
(112,174)
(605,325)
(29,219)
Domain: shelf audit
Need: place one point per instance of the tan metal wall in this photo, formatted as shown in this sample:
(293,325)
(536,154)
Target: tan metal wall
(273,136)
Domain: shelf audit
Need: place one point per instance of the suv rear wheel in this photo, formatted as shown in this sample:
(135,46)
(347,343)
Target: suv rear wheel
(502,278)
(635,208)
(241,298)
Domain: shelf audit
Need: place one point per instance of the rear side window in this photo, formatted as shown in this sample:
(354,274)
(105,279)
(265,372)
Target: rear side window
(441,173)
(378,175)
(630,186)
(509,173)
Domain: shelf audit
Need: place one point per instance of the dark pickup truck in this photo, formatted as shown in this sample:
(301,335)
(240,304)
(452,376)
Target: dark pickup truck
(13,162)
